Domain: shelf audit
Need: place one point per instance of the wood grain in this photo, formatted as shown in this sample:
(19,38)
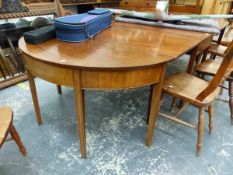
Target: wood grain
(120,79)
(49,72)
(79,98)
(156,90)
(123,46)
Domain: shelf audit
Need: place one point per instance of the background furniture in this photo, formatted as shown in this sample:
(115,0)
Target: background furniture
(216,6)
(9,39)
(11,66)
(181,6)
(80,6)
(186,6)
(6,127)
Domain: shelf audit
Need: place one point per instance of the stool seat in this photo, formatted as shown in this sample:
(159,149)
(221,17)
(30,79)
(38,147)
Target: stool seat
(6,127)
(6,120)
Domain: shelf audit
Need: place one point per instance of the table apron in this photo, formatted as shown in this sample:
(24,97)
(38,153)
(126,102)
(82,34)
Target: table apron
(49,72)
(120,79)
(95,79)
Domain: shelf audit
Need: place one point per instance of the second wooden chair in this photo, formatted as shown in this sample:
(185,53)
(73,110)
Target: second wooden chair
(211,66)
(198,92)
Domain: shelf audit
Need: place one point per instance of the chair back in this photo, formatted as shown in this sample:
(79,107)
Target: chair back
(60,11)
(223,72)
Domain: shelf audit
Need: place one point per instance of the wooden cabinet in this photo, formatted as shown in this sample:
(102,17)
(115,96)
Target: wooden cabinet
(186,6)
(216,6)
(138,5)
(181,6)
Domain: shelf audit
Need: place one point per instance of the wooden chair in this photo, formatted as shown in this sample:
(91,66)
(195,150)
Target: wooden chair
(198,93)
(217,50)
(210,67)
(60,11)
(6,127)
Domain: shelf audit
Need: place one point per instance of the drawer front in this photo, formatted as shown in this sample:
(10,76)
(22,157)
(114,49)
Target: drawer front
(137,4)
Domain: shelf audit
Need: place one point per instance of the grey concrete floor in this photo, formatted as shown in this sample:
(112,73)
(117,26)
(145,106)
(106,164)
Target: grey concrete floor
(115,135)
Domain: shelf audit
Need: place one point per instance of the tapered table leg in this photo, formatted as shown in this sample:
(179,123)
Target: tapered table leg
(156,90)
(79,98)
(34,97)
(231,98)
(149,104)
(59,89)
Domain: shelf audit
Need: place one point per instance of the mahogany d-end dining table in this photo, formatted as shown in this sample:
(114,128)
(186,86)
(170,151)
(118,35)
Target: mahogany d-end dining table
(123,56)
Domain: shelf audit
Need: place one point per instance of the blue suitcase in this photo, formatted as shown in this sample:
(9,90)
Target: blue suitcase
(80,27)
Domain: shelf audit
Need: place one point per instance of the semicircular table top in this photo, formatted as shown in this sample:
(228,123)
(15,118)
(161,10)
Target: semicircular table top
(121,46)
(123,56)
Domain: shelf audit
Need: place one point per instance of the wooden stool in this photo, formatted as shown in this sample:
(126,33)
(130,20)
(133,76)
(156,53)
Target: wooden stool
(6,126)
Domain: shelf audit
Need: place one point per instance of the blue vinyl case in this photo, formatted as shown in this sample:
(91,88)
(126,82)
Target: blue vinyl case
(80,27)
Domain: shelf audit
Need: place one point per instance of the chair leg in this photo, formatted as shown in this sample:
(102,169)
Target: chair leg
(231,99)
(204,55)
(200,130)
(221,89)
(211,117)
(212,56)
(173,103)
(59,89)
(17,140)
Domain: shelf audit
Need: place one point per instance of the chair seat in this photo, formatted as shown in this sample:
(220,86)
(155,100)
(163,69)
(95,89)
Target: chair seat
(209,67)
(225,43)
(6,116)
(187,87)
(217,49)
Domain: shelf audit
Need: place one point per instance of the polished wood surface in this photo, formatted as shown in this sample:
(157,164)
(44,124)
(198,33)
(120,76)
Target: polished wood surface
(123,56)
(6,127)
(122,46)
(188,87)
(216,6)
